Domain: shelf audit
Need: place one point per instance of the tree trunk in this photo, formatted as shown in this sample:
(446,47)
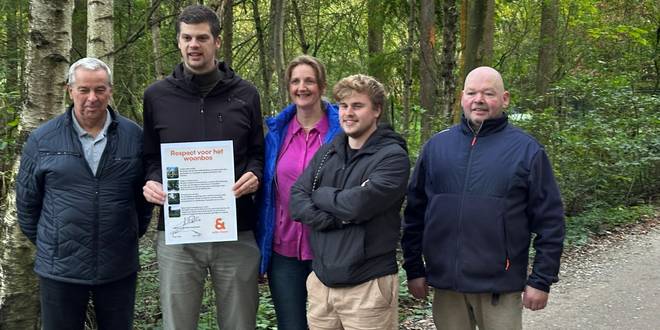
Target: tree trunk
(547,48)
(227,31)
(408,79)
(477,34)
(12,47)
(47,63)
(99,30)
(154,24)
(304,45)
(375,65)
(450,24)
(266,68)
(427,68)
(277,11)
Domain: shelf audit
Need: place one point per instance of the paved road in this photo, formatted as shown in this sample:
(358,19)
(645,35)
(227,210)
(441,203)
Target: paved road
(611,285)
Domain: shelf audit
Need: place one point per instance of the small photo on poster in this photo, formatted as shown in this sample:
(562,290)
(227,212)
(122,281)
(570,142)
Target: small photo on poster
(172,172)
(174,211)
(173,198)
(172,185)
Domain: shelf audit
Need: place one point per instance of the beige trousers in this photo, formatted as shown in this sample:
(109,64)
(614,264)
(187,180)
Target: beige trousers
(370,305)
(455,310)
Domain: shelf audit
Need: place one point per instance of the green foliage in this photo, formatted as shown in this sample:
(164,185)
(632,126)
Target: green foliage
(604,143)
(602,220)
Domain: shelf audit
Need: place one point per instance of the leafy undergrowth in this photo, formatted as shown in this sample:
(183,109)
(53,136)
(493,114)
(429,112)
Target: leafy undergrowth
(413,313)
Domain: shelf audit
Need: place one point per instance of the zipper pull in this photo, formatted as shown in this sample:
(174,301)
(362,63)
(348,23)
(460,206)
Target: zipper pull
(508,264)
(474,141)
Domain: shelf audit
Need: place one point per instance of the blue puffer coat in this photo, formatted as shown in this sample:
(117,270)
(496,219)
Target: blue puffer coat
(277,128)
(474,201)
(85,226)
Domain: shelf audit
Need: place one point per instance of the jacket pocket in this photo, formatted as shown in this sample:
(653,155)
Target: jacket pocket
(340,252)
(483,253)
(441,238)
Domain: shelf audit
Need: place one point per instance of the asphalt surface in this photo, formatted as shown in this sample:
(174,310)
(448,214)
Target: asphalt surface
(611,284)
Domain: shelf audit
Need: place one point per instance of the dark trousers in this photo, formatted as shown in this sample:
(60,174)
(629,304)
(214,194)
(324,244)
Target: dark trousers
(286,279)
(63,305)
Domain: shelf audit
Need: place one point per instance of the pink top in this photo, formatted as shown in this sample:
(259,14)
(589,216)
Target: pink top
(291,238)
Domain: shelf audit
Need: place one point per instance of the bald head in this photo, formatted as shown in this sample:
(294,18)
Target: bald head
(485,73)
(484,96)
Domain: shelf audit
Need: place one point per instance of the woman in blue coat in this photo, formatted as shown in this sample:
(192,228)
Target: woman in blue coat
(294,135)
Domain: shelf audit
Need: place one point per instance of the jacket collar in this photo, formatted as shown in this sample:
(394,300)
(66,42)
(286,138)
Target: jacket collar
(490,126)
(113,116)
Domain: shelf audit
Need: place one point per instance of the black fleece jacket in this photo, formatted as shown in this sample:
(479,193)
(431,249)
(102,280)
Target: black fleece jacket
(175,110)
(352,206)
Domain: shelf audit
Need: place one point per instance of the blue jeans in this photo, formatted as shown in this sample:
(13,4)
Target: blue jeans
(63,305)
(286,279)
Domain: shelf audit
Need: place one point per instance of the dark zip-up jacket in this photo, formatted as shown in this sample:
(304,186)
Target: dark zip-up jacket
(85,226)
(352,207)
(474,201)
(176,111)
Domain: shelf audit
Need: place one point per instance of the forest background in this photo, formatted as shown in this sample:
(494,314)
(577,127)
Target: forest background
(584,76)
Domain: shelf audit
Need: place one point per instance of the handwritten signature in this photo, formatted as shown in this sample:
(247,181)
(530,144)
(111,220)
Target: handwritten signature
(190,219)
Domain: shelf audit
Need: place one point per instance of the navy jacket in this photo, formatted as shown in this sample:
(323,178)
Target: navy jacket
(352,206)
(85,226)
(277,128)
(474,202)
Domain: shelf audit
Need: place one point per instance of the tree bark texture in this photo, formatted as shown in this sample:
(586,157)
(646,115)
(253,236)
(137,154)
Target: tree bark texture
(479,34)
(266,63)
(100,33)
(408,79)
(47,63)
(547,47)
(427,67)
(154,24)
(375,66)
(277,16)
(304,45)
(227,31)
(449,28)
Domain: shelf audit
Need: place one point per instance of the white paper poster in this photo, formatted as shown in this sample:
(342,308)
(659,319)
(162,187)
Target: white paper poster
(200,205)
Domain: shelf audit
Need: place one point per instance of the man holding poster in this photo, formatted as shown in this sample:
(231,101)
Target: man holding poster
(204,100)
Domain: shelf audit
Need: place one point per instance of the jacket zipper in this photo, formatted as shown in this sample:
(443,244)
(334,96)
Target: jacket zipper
(460,215)
(507,260)
(201,115)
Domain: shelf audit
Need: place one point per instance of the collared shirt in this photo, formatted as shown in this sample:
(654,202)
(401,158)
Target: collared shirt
(291,238)
(92,146)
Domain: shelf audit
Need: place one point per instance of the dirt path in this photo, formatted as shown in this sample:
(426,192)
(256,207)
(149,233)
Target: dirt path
(610,284)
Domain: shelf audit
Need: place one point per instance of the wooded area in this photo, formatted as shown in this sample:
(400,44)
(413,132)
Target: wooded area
(584,77)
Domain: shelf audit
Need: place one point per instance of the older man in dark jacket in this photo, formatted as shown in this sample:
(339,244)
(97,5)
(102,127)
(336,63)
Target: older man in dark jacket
(79,199)
(350,196)
(479,191)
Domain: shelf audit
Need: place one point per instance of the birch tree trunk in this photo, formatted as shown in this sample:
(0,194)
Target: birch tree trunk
(277,11)
(100,33)
(47,63)
(427,67)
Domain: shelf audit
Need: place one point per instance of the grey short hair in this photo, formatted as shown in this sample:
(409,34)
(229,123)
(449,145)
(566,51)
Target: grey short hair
(88,63)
